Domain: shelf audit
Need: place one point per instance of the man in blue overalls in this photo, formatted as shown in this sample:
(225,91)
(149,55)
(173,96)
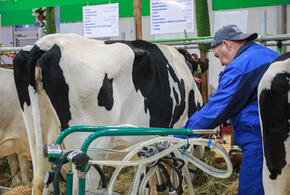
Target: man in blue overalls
(236,99)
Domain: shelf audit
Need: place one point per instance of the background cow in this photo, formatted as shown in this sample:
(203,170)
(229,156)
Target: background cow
(274,107)
(70,80)
(13,137)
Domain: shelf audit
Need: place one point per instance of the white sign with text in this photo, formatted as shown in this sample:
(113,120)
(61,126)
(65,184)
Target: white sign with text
(101,20)
(171,16)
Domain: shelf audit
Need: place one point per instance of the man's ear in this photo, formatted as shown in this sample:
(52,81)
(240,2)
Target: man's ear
(227,44)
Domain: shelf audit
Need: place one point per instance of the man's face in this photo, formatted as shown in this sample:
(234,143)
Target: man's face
(224,52)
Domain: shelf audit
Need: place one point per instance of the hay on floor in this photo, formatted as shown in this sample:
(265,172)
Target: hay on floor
(20,190)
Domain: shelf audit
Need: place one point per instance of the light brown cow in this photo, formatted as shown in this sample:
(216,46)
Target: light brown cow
(13,137)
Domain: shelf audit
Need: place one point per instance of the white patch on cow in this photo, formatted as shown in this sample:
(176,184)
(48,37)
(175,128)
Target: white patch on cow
(27,48)
(48,41)
(279,186)
(28,121)
(275,68)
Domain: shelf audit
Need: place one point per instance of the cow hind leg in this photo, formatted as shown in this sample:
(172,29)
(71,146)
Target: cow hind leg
(38,185)
(25,168)
(14,167)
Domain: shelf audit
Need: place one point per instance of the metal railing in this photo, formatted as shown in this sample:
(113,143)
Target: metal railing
(208,40)
(191,43)
(9,49)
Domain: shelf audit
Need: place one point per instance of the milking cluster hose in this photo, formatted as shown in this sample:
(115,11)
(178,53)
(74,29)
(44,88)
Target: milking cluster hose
(175,148)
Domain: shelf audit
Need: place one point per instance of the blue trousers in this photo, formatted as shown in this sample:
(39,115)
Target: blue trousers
(250,179)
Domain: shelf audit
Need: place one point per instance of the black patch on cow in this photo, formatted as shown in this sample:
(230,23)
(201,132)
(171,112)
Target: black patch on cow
(274,110)
(191,103)
(180,104)
(105,97)
(20,63)
(54,84)
(151,71)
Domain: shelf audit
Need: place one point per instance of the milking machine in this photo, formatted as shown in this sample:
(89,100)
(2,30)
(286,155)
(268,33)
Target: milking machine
(164,158)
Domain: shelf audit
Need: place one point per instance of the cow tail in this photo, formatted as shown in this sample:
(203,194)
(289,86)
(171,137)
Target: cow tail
(35,54)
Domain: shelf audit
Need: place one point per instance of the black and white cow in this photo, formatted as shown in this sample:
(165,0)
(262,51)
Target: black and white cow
(70,80)
(274,107)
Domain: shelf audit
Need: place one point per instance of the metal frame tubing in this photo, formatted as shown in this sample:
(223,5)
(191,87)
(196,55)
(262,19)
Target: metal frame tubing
(114,131)
(117,131)
(69,183)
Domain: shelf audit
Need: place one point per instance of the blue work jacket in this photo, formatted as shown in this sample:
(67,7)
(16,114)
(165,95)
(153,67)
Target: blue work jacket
(236,96)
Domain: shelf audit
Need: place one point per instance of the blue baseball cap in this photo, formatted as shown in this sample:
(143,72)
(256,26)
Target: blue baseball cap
(231,32)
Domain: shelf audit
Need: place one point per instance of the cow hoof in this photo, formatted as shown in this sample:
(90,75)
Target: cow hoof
(37,185)
(16,181)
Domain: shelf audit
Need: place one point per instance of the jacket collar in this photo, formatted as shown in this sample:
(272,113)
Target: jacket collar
(244,48)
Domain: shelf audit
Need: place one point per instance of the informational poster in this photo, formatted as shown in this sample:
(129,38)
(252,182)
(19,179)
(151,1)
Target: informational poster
(239,18)
(171,16)
(101,20)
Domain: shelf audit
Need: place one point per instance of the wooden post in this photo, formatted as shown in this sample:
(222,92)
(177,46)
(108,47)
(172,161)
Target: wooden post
(138,18)
(203,29)
(204,78)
